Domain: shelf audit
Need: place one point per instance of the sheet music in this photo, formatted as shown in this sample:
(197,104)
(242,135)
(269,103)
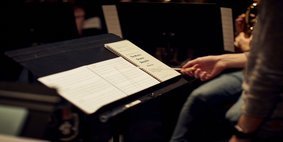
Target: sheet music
(92,86)
(124,75)
(227,28)
(142,59)
(111,19)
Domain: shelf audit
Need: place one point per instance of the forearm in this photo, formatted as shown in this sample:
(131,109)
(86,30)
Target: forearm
(234,60)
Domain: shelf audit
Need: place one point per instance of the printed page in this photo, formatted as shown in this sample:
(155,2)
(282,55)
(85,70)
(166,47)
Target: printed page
(85,89)
(142,59)
(92,86)
(123,75)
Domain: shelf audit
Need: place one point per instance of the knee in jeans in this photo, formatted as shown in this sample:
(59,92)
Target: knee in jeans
(199,95)
(196,98)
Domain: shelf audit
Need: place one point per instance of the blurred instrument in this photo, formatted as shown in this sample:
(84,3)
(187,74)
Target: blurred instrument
(250,18)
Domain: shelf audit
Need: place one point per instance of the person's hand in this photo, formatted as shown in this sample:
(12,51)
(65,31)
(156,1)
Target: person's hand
(242,43)
(235,139)
(240,24)
(204,68)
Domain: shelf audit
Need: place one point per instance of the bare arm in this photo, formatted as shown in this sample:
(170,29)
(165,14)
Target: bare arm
(208,67)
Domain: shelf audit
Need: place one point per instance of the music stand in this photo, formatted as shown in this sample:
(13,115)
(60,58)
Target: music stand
(65,55)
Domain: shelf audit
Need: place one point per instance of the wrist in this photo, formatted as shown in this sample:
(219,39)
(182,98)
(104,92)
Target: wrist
(233,60)
(224,61)
(241,133)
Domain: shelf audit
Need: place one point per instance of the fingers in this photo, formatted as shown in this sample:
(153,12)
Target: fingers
(240,18)
(198,67)
(194,70)
(240,23)
(191,63)
(196,73)
(202,75)
(189,71)
(242,43)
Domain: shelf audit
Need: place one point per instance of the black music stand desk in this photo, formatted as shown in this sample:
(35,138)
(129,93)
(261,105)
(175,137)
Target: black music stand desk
(51,58)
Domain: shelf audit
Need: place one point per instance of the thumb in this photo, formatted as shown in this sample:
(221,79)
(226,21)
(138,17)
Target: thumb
(190,63)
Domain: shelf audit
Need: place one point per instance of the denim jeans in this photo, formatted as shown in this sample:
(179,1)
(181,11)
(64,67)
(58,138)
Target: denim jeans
(203,114)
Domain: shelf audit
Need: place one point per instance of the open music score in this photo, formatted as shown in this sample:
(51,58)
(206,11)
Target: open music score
(93,86)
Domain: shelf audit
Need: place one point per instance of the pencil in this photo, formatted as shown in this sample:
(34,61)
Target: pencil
(186,69)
